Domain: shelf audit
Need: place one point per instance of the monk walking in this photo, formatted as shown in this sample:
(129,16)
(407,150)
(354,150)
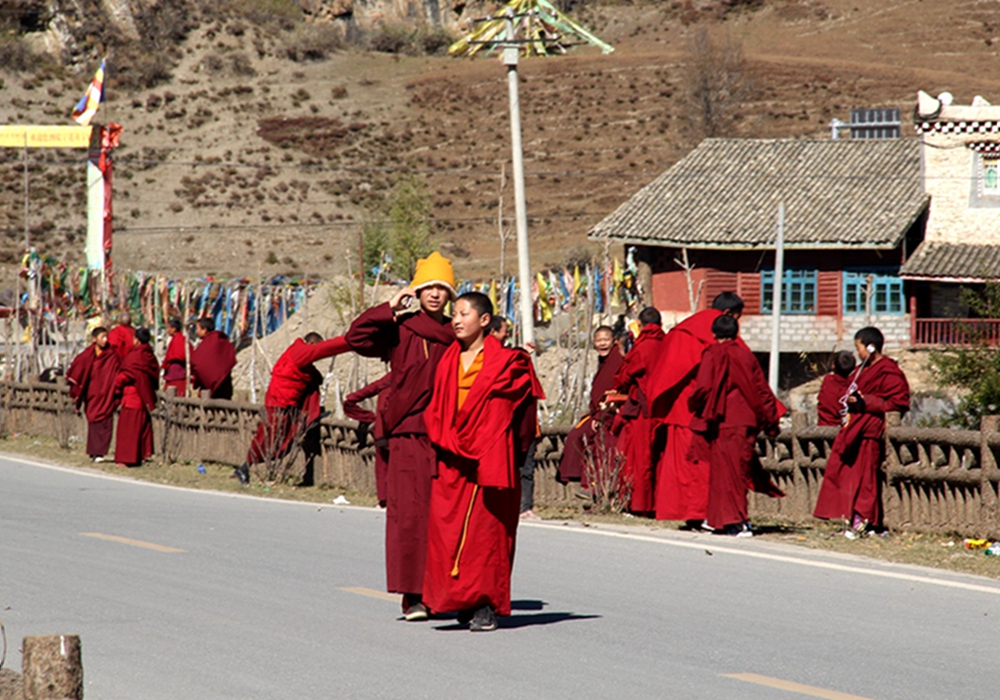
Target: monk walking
(413,344)
(829,409)
(136,383)
(482,421)
(122,336)
(175,362)
(732,404)
(212,361)
(852,484)
(91,378)
(291,404)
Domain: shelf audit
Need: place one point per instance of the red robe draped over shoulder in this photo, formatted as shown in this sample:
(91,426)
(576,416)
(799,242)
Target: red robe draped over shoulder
(136,383)
(174,364)
(91,378)
(475,499)
(581,439)
(211,364)
(828,406)
(637,436)
(121,339)
(851,481)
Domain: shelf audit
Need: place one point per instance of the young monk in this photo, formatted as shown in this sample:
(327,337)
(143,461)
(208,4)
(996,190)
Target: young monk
(638,435)
(136,383)
(852,486)
(175,362)
(732,404)
(121,338)
(413,344)
(833,389)
(482,421)
(212,361)
(583,440)
(91,378)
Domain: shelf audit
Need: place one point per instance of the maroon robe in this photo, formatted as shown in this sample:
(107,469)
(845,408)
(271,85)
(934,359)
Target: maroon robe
(353,410)
(91,378)
(475,499)
(121,339)
(831,391)
(175,364)
(413,344)
(638,434)
(731,403)
(582,439)
(211,364)
(136,383)
(852,485)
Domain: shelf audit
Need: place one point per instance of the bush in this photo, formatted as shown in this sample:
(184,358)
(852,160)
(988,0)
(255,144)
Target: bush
(16,55)
(313,42)
(390,38)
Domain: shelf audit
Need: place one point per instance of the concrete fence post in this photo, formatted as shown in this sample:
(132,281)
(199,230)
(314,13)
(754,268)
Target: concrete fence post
(988,476)
(890,495)
(52,668)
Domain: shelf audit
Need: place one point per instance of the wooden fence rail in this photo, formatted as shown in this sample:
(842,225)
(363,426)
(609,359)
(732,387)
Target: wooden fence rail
(937,480)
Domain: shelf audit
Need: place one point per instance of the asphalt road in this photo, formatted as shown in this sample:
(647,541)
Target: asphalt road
(194,595)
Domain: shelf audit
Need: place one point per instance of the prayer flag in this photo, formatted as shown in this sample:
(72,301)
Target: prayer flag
(86,108)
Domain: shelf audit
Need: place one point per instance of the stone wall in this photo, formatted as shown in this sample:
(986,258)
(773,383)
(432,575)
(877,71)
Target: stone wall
(957,213)
(811,333)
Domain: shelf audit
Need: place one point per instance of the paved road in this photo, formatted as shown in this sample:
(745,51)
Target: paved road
(217,596)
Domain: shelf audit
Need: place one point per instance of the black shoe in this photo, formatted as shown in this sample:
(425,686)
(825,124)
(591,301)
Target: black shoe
(416,613)
(484,620)
(465,616)
(242,473)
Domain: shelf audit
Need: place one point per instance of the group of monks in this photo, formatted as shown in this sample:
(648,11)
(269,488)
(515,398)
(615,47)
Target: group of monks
(118,372)
(673,424)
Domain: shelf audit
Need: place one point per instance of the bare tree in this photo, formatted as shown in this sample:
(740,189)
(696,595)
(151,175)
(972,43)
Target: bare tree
(717,82)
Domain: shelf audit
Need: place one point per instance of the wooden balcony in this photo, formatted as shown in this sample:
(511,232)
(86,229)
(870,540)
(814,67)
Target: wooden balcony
(936,332)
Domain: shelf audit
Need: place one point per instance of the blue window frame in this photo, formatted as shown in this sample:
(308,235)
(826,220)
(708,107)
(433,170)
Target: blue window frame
(798,291)
(887,295)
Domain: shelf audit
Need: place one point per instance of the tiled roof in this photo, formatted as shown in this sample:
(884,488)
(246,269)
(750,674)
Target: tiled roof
(725,194)
(954,262)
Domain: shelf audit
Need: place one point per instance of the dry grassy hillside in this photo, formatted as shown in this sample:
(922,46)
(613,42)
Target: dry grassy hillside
(248,160)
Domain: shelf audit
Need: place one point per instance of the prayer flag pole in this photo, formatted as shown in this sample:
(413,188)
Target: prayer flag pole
(777,289)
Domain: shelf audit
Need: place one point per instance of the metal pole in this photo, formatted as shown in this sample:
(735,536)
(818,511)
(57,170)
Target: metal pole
(776,297)
(520,207)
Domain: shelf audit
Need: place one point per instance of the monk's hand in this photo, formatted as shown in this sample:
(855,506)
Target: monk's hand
(402,299)
(530,347)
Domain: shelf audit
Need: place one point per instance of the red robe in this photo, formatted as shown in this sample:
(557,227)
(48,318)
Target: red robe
(851,482)
(121,339)
(475,499)
(353,410)
(828,405)
(175,364)
(136,383)
(413,345)
(731,403)
(636,438)
(211,364)
(581,440)
(91,378)
(291,403)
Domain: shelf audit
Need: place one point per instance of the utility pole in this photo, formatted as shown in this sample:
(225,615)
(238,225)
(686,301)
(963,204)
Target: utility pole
(777,295)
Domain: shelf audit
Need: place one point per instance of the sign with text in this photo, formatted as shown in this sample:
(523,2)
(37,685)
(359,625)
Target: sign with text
(45,136)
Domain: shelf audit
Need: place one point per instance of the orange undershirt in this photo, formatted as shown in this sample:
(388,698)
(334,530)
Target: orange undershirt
(467,377)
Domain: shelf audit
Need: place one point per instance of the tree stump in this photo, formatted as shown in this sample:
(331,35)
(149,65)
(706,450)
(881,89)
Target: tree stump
(52,668)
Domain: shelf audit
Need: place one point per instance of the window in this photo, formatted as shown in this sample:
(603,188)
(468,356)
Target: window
(991,176)
(886,291)
(798,291)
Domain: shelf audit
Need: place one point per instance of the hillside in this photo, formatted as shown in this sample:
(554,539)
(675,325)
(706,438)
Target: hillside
(249,160)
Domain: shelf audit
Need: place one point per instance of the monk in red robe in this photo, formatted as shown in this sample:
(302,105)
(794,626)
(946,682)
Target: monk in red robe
(482,420)
(681,479)
(591,442)
(136,383)
(212,361)
(852,484)
(175,362)
(291,404)
(413,344)
(375,419)
(91,378)
(833,389)
(732,404)
(638,433)
(122,337)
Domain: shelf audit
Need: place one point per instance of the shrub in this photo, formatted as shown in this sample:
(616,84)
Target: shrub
(313,42)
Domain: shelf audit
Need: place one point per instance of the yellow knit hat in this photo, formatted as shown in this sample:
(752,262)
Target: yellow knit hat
(434,269)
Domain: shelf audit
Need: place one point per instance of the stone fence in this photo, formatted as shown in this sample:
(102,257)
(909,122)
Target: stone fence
(937,480)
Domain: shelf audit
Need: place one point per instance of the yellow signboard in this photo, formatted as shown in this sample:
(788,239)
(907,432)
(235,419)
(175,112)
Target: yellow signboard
(45,136)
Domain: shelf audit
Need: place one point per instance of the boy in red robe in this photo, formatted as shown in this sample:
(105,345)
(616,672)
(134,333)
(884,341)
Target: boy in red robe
(136,383)
(413,344)
(833,389)
(583,443)
(175,362)
(638,433)
(732,404)
(681,480)
(291,403)
(91,378)
(482,420)
(212,361)
(852,485)
(354,411)
(122,337)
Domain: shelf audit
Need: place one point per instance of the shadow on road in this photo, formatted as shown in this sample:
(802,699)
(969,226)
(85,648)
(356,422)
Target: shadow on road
(515,621)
